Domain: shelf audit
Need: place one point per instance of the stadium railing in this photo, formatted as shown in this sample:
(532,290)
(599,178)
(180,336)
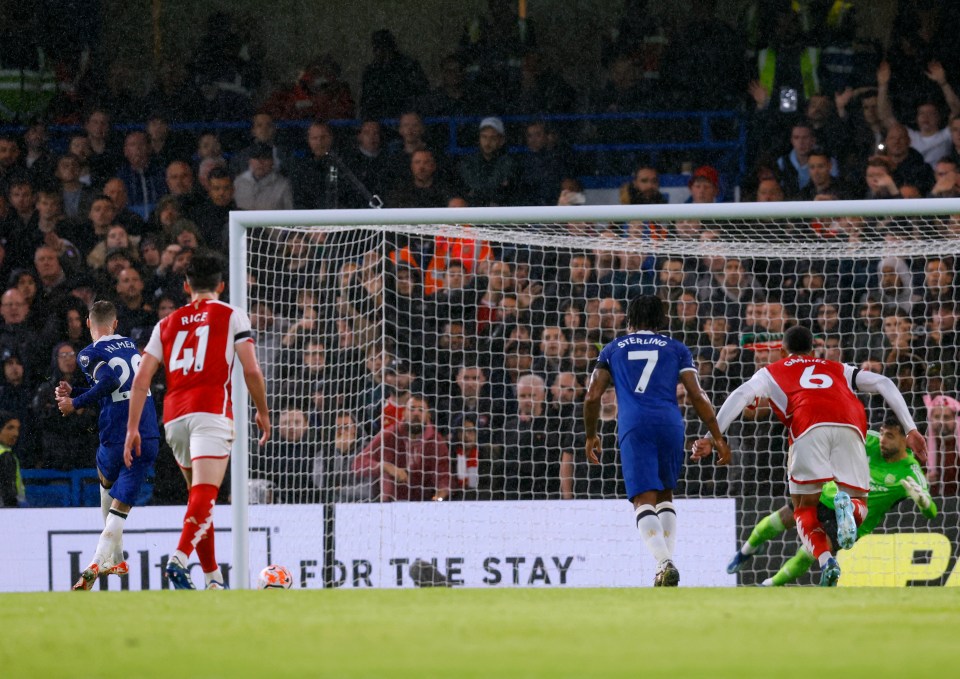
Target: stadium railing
(609,140)
(73,488)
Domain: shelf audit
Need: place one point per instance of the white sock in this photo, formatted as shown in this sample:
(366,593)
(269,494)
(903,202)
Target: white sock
(651,530)
(667,514)
(180,557)
(823,558)
(105,502)
(214,575)
(110,537)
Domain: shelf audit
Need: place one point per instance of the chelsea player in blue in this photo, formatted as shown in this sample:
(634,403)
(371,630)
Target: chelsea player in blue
(109,365)
(645,367)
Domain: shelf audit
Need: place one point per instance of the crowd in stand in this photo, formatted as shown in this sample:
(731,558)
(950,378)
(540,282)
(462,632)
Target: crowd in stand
(473,356)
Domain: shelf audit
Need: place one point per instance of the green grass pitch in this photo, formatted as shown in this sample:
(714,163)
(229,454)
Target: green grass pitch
(793,632)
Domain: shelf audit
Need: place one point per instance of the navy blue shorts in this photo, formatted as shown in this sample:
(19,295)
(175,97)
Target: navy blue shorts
(652,458)
(126,482)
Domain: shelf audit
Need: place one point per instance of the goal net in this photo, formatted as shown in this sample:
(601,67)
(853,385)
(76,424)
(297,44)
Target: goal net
(426,372)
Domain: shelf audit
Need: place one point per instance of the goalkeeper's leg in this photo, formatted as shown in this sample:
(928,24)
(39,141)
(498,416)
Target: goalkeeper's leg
(768,528)
(791,570)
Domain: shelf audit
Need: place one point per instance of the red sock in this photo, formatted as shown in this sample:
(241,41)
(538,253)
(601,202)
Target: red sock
(859,509)
(810,530)
(199,516)
(206,552)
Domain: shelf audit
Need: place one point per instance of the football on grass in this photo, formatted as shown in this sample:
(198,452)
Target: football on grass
(275,577)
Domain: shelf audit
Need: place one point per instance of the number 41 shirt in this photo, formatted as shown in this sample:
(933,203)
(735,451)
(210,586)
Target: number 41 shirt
(196,344)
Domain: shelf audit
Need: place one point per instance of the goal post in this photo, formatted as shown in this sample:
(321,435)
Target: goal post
(817,263)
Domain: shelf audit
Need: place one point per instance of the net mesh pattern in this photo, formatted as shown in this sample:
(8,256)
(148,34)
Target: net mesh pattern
(479,339)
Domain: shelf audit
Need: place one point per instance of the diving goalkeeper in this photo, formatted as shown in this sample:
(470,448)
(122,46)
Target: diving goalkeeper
(894,476)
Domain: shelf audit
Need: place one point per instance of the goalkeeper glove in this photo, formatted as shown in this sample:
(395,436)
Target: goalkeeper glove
(918,494)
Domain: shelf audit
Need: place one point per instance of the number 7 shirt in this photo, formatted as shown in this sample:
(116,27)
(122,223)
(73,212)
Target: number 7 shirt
(196,344)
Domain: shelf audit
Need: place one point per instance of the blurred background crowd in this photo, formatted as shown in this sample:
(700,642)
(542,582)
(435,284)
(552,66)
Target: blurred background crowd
(109,181)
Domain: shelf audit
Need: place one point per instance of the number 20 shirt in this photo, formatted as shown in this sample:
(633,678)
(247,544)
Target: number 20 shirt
(119,354)
(196,344)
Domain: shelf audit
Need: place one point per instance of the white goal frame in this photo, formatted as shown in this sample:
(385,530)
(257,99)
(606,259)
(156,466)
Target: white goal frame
(372,219)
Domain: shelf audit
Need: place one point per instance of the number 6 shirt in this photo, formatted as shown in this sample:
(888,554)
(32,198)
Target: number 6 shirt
(196,344)
(807,392)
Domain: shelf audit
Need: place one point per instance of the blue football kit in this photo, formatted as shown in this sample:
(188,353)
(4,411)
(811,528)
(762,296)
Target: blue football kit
(109,364)
(646,368)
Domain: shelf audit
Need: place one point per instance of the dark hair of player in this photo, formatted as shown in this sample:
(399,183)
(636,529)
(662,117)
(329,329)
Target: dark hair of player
(103,313)
(798,340)
(891,422)
(205,271)
(646,313)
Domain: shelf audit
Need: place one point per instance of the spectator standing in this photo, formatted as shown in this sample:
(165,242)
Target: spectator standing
(79,428)
(314,186)
(143,177)
(317,94)
(264,131)
(454,97)
(492,47)
(76,195)
(368,162)
(181,185)
(135,314)
(542,169)
(425,189)
(794,168)
(823,180)
(104,158)
(932,140)
(12,490)
(287,460)
(116,191)
(333,466)
(212,216)
(530,469)
(909,166)
(261,187)
(490,176)
(410,458)
(391,81)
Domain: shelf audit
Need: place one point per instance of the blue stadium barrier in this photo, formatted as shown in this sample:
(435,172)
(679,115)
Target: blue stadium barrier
(74,488)
(49,488)
(457,136)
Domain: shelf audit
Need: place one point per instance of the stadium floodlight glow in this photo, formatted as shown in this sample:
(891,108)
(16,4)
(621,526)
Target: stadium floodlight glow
(819,263)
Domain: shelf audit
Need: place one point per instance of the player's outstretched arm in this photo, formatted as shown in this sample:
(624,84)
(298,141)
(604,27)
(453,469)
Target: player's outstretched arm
(599,381)
(874,383)
(138,398)
(257,387)
(920,495)
(704,410)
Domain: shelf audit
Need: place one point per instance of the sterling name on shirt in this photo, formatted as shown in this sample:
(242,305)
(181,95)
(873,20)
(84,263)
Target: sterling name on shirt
(633,339)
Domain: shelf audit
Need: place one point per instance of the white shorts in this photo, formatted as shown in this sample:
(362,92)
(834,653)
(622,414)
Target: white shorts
(828,453)
(199,435)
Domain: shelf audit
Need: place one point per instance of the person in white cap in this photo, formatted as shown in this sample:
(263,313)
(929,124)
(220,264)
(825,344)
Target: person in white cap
(490,177)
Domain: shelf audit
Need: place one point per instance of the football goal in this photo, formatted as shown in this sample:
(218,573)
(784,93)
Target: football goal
(426,372)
